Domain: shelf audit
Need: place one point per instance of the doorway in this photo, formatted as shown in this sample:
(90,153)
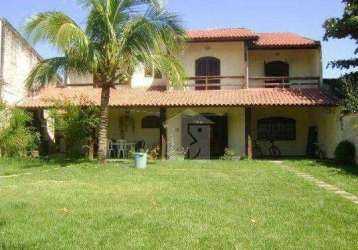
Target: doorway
(206,67)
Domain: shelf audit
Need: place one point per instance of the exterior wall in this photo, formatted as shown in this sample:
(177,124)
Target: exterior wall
(150,136)
(348,130)
(231,55)
(326,119)
(303,62)
(73,78)
(327,122)
(236,126)
(19,59)
(288,148)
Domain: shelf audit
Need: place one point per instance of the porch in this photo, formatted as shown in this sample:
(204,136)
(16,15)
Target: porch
(205,132)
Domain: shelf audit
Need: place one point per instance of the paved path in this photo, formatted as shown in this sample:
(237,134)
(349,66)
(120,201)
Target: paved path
(353,198)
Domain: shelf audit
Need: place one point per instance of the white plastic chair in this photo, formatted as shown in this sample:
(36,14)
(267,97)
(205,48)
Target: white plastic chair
(122,152)
(110,149)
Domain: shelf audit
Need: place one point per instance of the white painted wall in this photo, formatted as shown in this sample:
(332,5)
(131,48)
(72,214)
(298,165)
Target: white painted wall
(19,59)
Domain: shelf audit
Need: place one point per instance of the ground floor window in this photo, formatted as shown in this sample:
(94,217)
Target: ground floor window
(276,128)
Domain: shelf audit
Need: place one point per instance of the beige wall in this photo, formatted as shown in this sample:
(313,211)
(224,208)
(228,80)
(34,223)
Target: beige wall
(324,118)
(236,126)
(303,62)
(348,130)
(231,55)
(150,136)
(19,59)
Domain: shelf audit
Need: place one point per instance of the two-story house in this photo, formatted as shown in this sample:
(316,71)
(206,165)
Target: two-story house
(17,58)
(244,90)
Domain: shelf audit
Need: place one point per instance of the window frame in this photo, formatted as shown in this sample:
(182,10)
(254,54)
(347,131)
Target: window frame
(277,129)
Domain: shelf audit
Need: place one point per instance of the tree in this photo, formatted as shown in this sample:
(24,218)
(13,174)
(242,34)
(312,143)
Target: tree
(118,36)
(16,137)
(344,27)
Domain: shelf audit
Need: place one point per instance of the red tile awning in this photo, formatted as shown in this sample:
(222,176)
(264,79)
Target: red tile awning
(134,97)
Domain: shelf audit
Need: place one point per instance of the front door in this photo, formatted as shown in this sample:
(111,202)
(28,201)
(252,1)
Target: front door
(204,136)
(204,67)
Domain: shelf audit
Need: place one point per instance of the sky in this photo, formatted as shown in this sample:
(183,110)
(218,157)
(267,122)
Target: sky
(304,17)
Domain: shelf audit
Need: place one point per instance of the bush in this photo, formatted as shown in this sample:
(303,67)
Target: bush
(345,152)
(16,137)
(77,123)
(229,155)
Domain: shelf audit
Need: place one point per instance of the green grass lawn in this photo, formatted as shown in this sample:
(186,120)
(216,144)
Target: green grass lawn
(342,176)
(170,205)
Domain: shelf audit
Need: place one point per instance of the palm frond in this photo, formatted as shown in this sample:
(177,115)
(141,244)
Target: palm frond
(57,29)
(45,72)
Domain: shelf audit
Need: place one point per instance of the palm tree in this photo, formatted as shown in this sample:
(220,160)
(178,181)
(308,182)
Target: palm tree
(119,35)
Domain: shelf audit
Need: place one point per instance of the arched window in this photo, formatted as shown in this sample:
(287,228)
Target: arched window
(207,66)
(277,69)
(276,128)
(151,122)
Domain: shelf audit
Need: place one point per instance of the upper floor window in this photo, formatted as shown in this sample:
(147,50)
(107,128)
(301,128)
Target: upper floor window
(276,128)
(148,70)
(206,68)
(277,69)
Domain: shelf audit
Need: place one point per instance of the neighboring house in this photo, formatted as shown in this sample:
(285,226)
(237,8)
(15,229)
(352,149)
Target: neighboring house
(17,58)
(251,86)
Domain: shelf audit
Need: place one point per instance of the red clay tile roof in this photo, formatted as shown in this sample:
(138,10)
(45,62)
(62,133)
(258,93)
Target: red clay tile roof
(260,40)
(283,39)
(227,34)
(127,97)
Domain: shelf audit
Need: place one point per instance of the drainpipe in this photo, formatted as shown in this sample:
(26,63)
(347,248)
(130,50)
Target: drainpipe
(2,52)
(246,48)
(320,65)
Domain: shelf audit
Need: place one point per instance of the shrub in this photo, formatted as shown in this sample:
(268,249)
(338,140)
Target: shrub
(154,153)
(229,155)
(345,152)
(77,123)
(17,138)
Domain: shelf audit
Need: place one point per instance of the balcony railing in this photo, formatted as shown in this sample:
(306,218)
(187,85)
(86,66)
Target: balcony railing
(283,81)
(215,82)
(237,82)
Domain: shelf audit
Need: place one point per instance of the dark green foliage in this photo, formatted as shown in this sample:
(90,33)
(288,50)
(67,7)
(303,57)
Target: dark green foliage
(344,27)
(229,155)
(350,93)
(16,137)
(346,89)
(77,124)
(345,152)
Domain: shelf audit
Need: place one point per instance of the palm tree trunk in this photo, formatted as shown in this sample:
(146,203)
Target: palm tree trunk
(103,126)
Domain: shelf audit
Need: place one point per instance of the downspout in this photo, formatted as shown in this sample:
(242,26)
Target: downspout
(2,53)
(320,65)
(246,54)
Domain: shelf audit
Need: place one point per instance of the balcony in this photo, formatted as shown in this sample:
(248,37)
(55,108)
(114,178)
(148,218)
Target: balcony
(284,81)
(215,82)
(239,82)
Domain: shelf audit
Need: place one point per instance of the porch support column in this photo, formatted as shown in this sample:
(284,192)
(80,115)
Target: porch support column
(163,133)
(248,132)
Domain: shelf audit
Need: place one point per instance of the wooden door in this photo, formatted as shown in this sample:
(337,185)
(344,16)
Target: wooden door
(207,66)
